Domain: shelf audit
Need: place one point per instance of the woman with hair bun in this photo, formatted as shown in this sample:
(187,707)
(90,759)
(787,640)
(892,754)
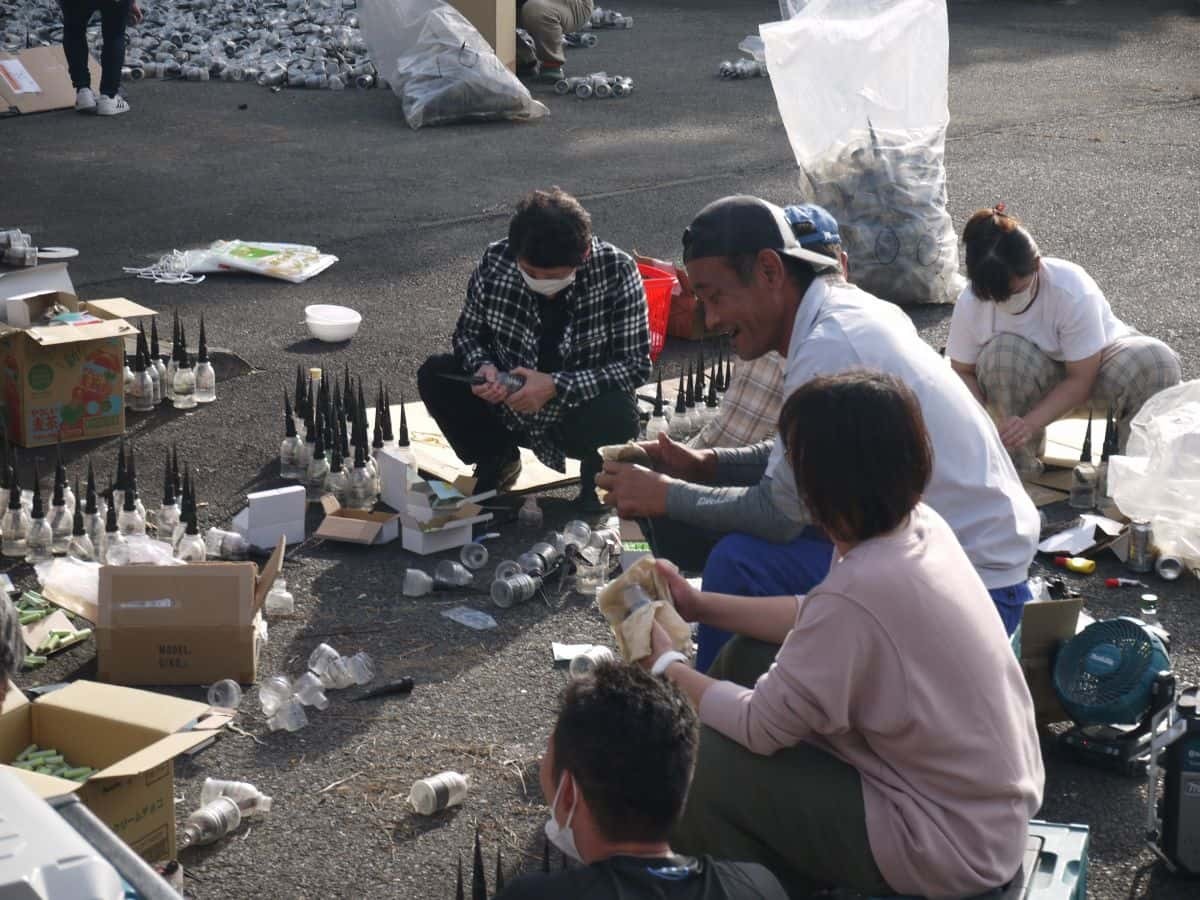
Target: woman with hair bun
(1034,338)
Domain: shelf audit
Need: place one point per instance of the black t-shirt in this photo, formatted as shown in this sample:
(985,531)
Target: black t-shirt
(639,878)
(554,313)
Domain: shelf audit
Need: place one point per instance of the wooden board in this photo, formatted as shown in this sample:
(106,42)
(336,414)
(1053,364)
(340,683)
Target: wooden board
(1064,441)
(436,458)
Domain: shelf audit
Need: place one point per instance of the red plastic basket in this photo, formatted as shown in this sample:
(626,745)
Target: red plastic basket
(659,287)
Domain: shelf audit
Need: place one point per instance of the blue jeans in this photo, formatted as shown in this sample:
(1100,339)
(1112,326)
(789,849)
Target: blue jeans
(748,566)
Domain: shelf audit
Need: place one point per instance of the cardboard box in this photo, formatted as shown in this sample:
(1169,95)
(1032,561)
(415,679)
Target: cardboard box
(496,20)
(131,737)
(34,279)
(356,526)
(1044,626)
(192,624)
(37,80)
(65,380)
(272,514)
(416,539)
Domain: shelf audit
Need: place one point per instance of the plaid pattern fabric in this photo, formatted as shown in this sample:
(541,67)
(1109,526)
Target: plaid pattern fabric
(605,346)
(1014,375)
(749,411)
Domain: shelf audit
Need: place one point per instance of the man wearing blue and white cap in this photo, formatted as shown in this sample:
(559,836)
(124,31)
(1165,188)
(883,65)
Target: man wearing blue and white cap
(768,291)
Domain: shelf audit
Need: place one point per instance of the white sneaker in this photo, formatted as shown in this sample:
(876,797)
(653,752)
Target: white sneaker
(111,106)
(85,100)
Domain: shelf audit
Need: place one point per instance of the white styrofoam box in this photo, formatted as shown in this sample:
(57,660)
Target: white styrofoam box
(35,280)
(43,856)
(271,514)
(455,534)
(395,475)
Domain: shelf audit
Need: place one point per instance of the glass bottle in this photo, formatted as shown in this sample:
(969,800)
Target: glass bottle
(80,545)
(191,546)
(680,428)
(116,546)
(141,393)
(658,422)
(61,519)
(60,476)
(14,527)
(185,384)
(279,599)
(361,485)
(337,482)
(39,542)
(210,823)
(156,360)
(128,377)
(206,376)
(530,514)
(318,470)
(130,520)
(291,446)
(168,513)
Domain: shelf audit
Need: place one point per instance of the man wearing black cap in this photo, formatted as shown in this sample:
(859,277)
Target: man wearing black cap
(768,292)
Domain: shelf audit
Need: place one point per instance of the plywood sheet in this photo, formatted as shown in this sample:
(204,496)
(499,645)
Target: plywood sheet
(436,458)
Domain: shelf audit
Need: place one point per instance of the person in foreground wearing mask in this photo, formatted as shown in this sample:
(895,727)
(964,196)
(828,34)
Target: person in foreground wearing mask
(566,312)
(616,773)
(1034,339)
(890,747)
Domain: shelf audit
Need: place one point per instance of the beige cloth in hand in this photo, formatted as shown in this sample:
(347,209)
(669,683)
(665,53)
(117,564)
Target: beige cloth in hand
(633,631)
(626,453)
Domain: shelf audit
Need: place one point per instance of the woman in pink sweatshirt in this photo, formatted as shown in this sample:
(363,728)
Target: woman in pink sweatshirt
(890,746)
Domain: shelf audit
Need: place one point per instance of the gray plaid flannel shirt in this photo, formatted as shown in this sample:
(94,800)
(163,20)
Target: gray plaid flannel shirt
(605,346)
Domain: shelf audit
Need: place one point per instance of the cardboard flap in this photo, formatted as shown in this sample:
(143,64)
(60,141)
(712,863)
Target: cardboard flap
(117,308)
(54,335)
(45,786)
(269,573)
(156,712)
(156,754)
(14,699)
(40,81)
(346,528)
(329,504)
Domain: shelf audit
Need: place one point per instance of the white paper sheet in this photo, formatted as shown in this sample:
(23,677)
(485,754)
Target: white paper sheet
(13,71)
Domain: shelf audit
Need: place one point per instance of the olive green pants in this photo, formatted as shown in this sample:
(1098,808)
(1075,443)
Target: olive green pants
(799,812)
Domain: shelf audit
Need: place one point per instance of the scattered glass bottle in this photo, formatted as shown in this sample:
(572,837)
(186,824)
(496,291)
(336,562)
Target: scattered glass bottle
(192,547)
(250,800)
(416,583)
(80,545)
(530,514)
(210,823)
(14,528)
(451,574)
(279,601)
(318,470)
(116,545)
(225,694)
(274,692)
(310,691)
(473,555)
(291,446)
(289,717)
(39,542)
(61,519)
(227,545)
(206,376)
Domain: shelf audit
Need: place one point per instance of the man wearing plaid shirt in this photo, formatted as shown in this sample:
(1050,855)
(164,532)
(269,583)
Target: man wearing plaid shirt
(566,312)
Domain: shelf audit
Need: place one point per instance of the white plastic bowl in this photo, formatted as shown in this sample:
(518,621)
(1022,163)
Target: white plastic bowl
(331,323)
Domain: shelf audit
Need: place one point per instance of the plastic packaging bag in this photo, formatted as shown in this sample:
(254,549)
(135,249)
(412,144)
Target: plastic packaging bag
(439,65)
(1158,477)
(862,89)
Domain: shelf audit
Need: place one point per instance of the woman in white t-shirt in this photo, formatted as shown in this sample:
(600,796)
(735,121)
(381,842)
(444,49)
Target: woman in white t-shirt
(1034,338)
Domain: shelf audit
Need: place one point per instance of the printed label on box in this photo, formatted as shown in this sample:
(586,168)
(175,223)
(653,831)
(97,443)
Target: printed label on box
(165,603)
(18,78)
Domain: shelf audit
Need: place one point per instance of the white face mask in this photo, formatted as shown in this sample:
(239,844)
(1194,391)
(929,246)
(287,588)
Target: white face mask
(562,836)
(1018,302)
(547,287)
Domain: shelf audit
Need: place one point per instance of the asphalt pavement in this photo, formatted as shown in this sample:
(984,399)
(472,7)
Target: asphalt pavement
(1083,117)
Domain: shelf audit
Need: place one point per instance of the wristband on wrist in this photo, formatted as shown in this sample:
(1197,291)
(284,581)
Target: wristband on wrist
(660,664)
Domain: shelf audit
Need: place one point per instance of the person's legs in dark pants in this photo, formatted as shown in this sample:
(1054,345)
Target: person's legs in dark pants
(75,15)
(610,418)
(113,17)
(472,426)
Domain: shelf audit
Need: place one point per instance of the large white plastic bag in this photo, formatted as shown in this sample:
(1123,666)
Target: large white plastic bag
(439,65)
(862,90)
(1158,477)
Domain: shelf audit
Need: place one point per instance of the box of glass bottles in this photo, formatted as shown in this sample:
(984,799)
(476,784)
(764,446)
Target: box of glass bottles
(127,738)
(65,379)
(192,624)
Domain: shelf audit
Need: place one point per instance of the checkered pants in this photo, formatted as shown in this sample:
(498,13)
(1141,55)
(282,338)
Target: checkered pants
(1015,374)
